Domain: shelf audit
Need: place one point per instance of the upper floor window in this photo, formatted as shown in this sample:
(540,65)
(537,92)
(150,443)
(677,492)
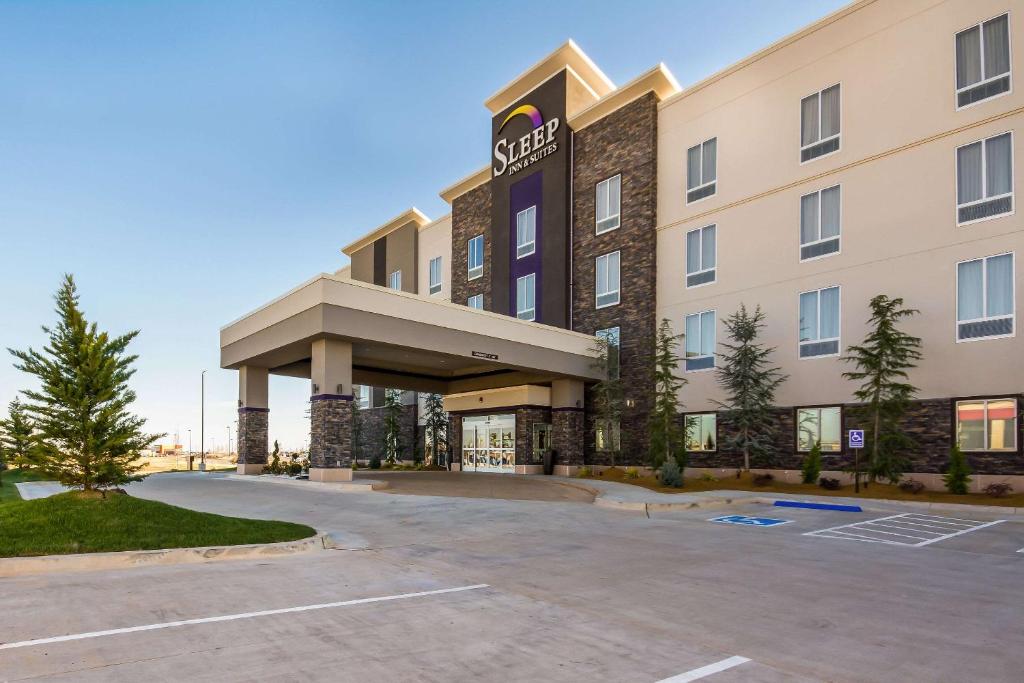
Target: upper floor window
(819,425)
(819,124)
(699,341)
(819,323)
(475,260)
(983,61)
(701,170)
(987,424)
(476,301)
(700,256)
(608,204)
(984,298)
(526,232)
(607,279)
(984,179)
(819,223)
(395,280)
(702,433)
(435,275)
(611,337)
(526,293)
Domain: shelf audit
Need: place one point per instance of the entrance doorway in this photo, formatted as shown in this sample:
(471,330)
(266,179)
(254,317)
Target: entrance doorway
(489,443)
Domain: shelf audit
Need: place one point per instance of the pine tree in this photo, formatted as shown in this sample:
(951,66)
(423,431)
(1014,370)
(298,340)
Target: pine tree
(958,474)
(17,436)
(882,362)
(275,460)
(667,438)
(607,393)
(750,383)
(392,426)
(811,467)
(86,437)
(435,422)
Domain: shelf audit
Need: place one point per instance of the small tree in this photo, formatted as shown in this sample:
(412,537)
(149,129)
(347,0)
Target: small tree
(882,361)
(86,435)
(750,383)
(275,460)
(958,475)
(393,446)
(667,437)
(435,422)
(607,393)
(671,473)
(811,467)
(17,436)
(356,420)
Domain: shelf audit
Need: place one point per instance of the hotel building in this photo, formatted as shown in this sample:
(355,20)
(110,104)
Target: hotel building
(872,152)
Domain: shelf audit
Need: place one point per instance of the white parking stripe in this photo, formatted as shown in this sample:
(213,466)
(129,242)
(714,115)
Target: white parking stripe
(962,531)
(705,671)
(918,530)
(232,617)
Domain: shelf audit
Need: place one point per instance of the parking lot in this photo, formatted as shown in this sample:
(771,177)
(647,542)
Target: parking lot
(451,589)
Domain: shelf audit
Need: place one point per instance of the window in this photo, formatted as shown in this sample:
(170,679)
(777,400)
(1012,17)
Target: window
(701,170)
(362,395)
(435,275)
(984,179)
(606,436)
(699,341)
(819,323)
(983,61)
(819,425)
(984,298)
(541,440)
(700,256)
(987,424)
(611,336)
(526,232)
(819,124)
(608,204)
(819,223)
(476,301)
(526,297)
(607,274)
(475,260)
(395,280)
(702,433)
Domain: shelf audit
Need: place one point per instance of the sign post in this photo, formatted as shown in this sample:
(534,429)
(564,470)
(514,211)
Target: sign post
(855,440)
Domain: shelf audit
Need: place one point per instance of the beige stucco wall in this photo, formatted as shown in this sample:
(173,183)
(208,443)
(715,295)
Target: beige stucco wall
(401,255)
(896,165)
(435,239)
(361,267)
(499,398)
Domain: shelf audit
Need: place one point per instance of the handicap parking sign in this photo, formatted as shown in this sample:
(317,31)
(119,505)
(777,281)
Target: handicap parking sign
(744,520)
(856,438)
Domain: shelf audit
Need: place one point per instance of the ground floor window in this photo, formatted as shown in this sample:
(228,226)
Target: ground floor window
(489,443)
(987,424)
(541,440)
(819,425)
(606,436)
(702,433)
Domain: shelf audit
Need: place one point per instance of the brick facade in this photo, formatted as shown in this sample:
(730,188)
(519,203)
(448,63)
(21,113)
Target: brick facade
(526,417)
(371,438)
(567,437)
(471,216)
(253,424)
(330,441)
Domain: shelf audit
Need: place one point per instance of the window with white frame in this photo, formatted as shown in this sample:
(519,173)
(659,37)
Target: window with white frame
(699,341)
(702,433)
(984,179)
(435,275)
(820,222)
(819,123)
(362,395)
(606,435)
(608,202)
(526,302)
(395,280)
(819,323)
(988,424)
(475,258)
(701,170)
(700,256)
(526,232)
(607,276)
(984,298)
(476,301)
(819,425)
(611,338)
(983,61)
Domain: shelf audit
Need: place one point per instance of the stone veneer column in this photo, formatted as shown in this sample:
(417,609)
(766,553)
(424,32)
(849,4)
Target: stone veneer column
(253,419)
(567,425)
(330,440)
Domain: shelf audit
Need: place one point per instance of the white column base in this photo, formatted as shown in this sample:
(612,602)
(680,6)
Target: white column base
(325,474)
(249,468)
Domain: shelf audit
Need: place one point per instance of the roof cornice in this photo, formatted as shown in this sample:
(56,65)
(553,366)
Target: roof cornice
(461,187)
(658,80)
(412,215)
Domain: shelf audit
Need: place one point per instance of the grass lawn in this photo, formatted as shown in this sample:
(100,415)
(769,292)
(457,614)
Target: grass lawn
(76,523)
(8,491)
(745,483)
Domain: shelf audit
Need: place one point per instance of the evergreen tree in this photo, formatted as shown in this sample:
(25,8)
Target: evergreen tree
(811,467)
(86,437)
(275,460)
(882,361)
(392,426)
(750,383)
(607,393)
(667,438)
(958,474)
(17,436)
(435,422)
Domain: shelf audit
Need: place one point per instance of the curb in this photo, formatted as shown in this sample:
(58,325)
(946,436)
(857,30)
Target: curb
(364,485)
(641,506)
(48,564)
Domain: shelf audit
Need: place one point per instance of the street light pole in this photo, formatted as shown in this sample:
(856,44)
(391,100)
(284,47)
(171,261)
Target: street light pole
(190,449)
(202,421)
(229,442)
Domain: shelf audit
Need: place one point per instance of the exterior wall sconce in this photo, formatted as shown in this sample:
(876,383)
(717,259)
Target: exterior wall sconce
(316,389)
(630,403)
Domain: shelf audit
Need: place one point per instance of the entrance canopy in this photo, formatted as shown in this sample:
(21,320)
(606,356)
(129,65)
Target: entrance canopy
(403,341)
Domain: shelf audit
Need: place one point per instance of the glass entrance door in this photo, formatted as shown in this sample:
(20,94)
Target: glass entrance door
(489,443)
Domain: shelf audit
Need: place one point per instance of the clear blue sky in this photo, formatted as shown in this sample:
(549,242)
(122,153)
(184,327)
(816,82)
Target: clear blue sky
(188,161)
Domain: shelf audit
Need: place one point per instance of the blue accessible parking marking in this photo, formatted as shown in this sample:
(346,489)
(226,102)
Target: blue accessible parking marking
(744,520)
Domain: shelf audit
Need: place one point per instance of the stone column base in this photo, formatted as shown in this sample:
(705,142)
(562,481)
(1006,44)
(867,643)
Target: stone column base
(565,470)
(250,468)
(326,474)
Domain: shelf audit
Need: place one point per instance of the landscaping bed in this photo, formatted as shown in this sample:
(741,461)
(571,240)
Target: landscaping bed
(77,522)
(746,483)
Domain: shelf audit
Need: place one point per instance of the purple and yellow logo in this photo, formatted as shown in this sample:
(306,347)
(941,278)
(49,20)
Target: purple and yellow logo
(514,155)
(526,110)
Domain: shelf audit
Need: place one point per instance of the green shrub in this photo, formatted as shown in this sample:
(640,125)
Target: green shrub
(583,472)
(829,484)
(998,489)
(294,468)
(632,473)
(811,467)
(763,479)
(911,486)
(958,474)
(670,474)
(708,478)
(375,462)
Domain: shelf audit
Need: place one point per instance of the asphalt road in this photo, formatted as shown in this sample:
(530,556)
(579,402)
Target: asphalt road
(550,591)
